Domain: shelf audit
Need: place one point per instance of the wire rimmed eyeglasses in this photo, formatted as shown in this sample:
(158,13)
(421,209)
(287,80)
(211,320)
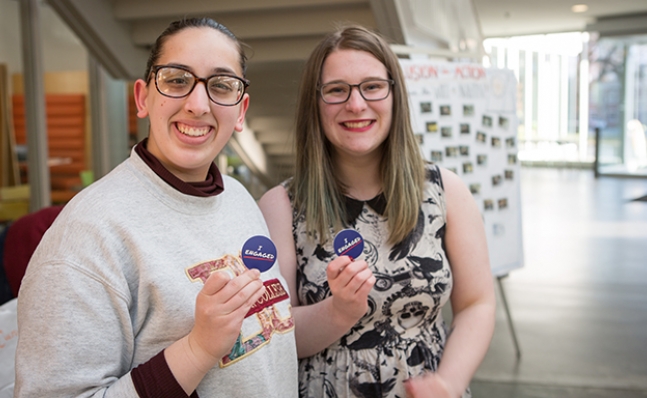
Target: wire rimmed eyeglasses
(370,90)
(178,82)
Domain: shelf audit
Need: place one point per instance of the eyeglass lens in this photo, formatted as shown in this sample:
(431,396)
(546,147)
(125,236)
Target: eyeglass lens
(177,83)
(371,90)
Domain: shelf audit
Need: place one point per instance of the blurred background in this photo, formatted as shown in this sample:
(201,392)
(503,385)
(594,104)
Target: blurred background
(578,306)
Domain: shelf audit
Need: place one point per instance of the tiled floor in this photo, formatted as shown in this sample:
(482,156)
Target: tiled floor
(579,304)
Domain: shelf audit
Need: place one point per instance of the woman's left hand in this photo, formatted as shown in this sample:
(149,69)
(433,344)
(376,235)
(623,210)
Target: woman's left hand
(430,385)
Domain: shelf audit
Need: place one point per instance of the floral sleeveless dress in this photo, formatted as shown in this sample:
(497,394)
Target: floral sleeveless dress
(403,333)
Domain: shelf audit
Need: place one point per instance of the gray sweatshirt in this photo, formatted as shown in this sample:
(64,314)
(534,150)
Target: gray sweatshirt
(114,282)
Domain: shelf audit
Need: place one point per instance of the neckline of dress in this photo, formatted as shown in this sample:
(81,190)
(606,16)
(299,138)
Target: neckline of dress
(354,206)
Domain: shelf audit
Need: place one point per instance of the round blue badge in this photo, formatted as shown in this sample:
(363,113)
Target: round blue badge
(349,242)
(259,252)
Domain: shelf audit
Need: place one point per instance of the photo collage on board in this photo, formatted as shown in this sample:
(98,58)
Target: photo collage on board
(467,142)
(464,118)
(457,129)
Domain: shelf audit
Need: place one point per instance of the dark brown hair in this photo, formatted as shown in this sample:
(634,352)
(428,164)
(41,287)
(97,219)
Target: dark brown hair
(178,26)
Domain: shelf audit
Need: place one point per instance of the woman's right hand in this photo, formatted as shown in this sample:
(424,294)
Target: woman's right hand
(350,283)
(220,309)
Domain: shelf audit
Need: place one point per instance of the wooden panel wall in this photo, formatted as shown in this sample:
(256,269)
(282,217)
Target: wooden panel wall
(9,173)
(66,135)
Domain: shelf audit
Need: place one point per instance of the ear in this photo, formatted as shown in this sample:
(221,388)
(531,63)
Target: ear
(140,91)
(240,122)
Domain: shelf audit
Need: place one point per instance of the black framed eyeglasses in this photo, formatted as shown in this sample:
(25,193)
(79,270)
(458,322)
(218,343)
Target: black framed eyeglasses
(370,90)
(179,82)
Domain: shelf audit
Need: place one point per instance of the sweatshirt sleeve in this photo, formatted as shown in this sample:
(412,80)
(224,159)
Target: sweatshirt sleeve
(76,337)
(155,379)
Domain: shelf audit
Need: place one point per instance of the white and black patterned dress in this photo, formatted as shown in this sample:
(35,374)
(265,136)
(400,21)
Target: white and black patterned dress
(403,333)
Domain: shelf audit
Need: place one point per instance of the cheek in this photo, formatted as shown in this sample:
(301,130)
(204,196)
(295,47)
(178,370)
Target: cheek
(388,108)
(225,117)
(327,116)
(387,114)
(161,109)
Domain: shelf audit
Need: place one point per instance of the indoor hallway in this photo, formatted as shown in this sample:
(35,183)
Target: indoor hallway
(579,304)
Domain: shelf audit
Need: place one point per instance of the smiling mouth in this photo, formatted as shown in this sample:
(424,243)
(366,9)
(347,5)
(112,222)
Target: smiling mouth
(192,131)
(357,125)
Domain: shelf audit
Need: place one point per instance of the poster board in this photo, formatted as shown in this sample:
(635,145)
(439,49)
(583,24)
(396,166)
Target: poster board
(464,116)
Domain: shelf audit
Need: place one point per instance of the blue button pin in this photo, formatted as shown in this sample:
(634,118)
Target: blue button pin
(259,252)
(348,242)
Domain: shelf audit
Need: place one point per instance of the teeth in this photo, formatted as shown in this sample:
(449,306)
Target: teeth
(357,125)
(192,131)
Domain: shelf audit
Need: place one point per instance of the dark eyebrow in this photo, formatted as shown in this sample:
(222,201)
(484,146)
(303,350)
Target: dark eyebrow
(225,71)
(181,66)
(367,79)
(214,71)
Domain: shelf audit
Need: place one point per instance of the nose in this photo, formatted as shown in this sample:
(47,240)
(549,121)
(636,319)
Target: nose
(356,103)
(198,102)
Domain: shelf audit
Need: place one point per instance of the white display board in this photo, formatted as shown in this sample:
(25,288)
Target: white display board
(464,116)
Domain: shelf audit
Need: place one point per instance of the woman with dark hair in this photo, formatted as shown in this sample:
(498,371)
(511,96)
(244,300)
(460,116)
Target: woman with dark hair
(122,297)
(372,326)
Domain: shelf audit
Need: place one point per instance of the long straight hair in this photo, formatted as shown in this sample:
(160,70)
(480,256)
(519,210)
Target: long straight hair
(317,192)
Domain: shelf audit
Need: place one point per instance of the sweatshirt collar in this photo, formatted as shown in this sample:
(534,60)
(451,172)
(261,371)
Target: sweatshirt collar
(211,186)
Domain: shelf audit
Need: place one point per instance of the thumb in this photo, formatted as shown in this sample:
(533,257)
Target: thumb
(215,282)
(336,266)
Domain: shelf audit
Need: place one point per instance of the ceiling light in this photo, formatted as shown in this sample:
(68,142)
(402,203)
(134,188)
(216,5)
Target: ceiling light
(580,8)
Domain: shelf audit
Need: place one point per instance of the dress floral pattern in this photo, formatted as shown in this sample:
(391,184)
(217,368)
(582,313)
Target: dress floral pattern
(403,333)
